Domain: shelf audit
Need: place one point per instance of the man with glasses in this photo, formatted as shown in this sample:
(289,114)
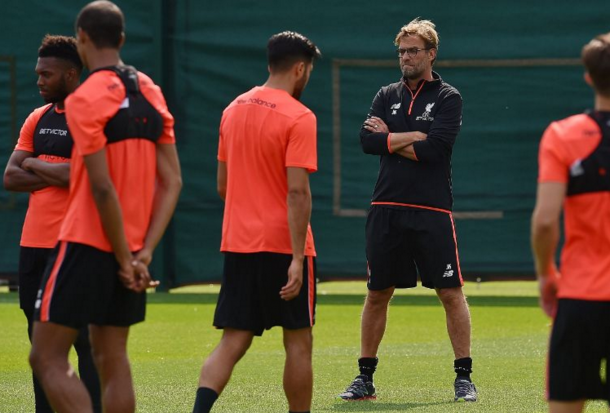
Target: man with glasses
(412,125)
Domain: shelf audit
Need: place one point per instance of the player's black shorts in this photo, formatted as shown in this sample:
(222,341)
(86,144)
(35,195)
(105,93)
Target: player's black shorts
(249,297)
(580,345)
(32,262)
(81,286)
(404,242)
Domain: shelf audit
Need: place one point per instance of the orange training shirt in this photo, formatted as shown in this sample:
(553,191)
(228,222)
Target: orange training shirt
(585,258)
(132,163)
(262,132)
(46,206)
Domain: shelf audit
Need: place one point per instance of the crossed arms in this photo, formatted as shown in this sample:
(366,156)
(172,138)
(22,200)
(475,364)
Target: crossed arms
(24,173)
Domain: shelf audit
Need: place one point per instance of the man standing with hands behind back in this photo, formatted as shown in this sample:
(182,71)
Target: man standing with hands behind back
(412,125)
(124,184)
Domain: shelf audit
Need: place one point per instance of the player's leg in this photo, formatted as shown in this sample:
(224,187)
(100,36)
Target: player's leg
(458,320)
(51,344)
(297,318)
(374,321)
(439,265)
(32,262)
(578,348)
(238,314)
(389,265)
(109,346)
(218,367)
(298,372)
(566,407)
(40,400)
(86,368)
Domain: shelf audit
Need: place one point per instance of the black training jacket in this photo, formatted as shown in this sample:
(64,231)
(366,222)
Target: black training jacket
(435,108)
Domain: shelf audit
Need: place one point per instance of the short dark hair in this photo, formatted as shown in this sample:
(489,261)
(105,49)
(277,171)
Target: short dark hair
(104,22)
(61,47)
(286,48)
(596,58)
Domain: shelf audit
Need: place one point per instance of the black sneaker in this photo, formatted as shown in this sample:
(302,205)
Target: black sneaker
(465,391)
(360,389)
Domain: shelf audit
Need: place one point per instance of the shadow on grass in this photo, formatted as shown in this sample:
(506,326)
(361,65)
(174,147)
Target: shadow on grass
(375,406)
(350,299)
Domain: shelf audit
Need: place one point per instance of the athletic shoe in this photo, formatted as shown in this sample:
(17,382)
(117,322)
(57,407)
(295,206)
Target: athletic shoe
(360,389)
(465,390)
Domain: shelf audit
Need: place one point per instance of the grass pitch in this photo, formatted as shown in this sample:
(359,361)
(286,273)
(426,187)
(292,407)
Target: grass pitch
(415,372)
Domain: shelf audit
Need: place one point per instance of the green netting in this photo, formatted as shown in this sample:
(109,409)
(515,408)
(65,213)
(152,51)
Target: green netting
(205,53)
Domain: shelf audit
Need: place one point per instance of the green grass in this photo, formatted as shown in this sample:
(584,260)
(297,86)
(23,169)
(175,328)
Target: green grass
(415,374)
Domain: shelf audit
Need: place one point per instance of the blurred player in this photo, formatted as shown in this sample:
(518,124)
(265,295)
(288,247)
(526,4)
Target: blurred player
(412,125)
(124,185)
(574,177)
(40,165)
(266,152)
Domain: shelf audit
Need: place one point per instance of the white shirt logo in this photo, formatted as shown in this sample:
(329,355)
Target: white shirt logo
(426,114)
(395,107)
(576,168)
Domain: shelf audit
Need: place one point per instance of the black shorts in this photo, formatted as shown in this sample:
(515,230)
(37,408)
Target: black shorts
(403,242)
(249,297)
(32,262)
(81,286)
(580,345)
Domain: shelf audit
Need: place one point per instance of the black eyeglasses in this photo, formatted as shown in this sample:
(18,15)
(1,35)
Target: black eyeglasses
(411,51)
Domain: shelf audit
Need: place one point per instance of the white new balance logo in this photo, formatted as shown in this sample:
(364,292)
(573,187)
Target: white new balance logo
(448,271)
(395,107)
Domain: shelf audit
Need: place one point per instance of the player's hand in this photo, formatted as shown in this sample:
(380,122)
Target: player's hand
(144,256)
(295,280)
(419,136)
(548,294)
(135,276)
(375,124)
(26,165)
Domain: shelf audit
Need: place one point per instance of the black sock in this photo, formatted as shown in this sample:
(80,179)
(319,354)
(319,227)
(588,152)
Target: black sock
(367,366)
(205,400)
(463,368)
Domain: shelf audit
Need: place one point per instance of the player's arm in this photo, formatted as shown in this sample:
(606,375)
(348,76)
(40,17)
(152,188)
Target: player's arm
(18,179)
(169,185)
(441,136)
(299,213)
(133,274)
(397,142)
(55,174)
(221,180)
(374,141)
(545,237)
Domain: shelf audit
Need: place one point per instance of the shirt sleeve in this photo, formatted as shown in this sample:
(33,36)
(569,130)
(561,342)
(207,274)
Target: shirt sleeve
(375,143)
(26,135)
(301,151)
(552,165)
(222,150)
(154,95)
(447,122)
(89,109)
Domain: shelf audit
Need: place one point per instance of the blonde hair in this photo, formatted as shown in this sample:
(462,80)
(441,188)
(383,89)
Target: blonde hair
(425,29)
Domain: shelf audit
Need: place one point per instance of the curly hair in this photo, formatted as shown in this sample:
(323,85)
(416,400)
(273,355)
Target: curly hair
(61,47)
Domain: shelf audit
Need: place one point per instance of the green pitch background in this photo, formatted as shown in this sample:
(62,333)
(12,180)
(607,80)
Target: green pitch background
(415,373)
